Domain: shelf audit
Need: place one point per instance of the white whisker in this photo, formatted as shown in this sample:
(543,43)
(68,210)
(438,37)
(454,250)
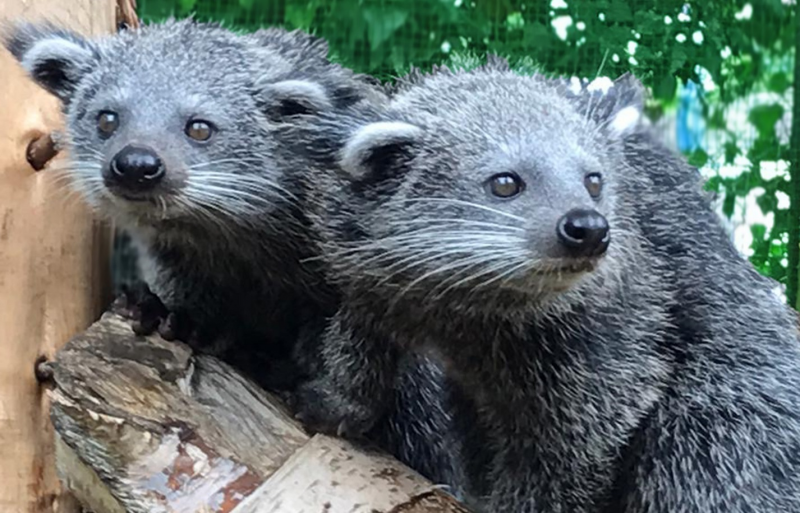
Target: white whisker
(468,204)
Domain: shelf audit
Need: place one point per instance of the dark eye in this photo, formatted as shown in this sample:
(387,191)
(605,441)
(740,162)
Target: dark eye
(107,122)
(594,184)
(505,185)
(199,130)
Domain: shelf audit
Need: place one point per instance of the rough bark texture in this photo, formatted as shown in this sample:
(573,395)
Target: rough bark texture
(53,262)
(146,426)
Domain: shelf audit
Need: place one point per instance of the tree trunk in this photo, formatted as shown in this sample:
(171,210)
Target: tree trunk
(53,262)
(145,426)
(793,251)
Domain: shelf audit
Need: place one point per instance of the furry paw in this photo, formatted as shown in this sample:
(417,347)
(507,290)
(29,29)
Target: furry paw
(177,326)
(139,304)
(149,314)
(324,409)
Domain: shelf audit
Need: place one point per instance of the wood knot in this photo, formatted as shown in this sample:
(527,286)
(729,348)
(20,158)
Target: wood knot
(126,15)
(41,151)
(43,370)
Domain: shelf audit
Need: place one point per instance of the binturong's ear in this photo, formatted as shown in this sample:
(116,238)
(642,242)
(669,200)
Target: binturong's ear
(379,150)
(628,108)
(283,100)
(55,58)
(617,107)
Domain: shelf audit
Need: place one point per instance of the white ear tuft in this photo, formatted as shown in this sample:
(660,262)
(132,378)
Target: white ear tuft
(291,97)
(600,83)
(575,85)
(55,49)
(310,91)
(370,139)
(56,59)
(625,121)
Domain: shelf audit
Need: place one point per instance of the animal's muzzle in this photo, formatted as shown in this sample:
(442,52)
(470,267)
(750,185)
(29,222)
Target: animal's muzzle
(584,233)
(136,169)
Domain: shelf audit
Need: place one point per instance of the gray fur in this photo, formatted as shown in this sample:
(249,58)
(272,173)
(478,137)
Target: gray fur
(664,379)
(232,265)
(730,422)
(223,239)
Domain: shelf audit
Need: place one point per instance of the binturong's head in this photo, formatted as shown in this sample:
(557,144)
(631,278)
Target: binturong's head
(171,124)
(484,185)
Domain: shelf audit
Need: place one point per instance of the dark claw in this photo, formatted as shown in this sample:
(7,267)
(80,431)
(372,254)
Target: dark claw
(146,310)
(145,326)
(321,409)
(169,328)
(176,326)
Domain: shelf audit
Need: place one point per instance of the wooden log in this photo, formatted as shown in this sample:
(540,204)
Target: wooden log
(146,426)
(53,262)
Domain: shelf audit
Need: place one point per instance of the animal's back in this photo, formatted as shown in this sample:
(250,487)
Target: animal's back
(731,412)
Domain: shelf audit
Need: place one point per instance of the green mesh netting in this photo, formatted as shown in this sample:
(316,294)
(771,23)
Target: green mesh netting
(384,37)
(720,72)
(659,40)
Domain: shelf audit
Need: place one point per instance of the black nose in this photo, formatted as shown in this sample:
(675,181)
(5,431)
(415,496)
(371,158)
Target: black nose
(136,168)
(584,232)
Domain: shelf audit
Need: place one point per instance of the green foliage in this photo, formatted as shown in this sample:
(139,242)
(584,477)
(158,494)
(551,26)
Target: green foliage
(382,36)
(663,42)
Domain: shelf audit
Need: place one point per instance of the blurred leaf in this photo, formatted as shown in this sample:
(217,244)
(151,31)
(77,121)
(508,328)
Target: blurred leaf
(779,83)
(713,184)
(187,5)
(728,205)
(382,23)
(536,34)
(698,158)
(679,58)
(515,21)
(777,248)
(717,119)
(767,203)
(299,16)
(619,11)
(764,117)
(759,231)
(731,152)
(666,87)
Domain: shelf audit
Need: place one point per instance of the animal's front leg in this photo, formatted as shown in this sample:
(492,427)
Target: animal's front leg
(138,303)
(355,385)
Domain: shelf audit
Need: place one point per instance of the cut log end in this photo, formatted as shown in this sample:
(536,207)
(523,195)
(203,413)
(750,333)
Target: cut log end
(160,429)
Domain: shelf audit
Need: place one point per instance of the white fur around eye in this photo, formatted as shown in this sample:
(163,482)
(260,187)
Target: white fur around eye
(56,48)
(625,120)
(374,136)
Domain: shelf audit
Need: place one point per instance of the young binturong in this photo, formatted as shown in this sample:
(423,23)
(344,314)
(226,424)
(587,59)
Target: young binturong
(743,381)
(171,130)
(495,221)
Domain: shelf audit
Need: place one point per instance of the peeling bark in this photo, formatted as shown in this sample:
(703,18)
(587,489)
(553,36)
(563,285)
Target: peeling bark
(149,427)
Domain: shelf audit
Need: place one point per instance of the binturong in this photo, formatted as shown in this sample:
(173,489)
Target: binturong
(735,341)
(495,221)
(171,130)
